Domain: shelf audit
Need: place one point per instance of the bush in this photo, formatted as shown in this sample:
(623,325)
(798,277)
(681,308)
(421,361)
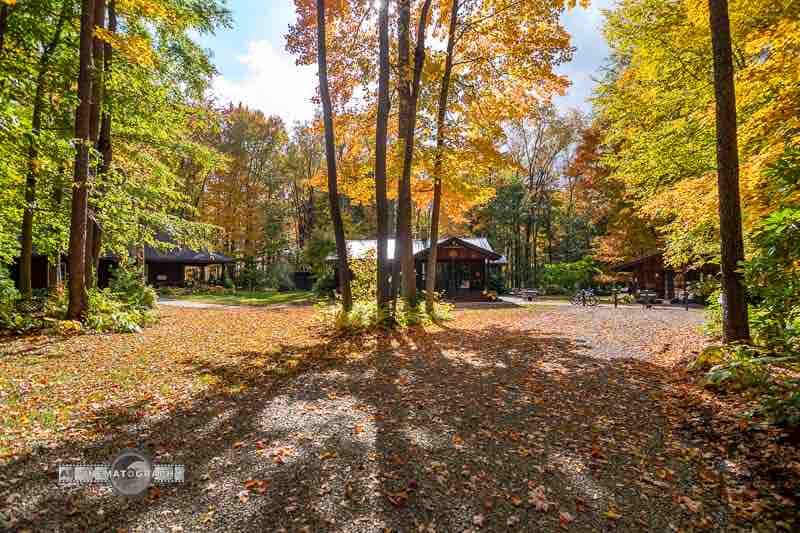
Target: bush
(570,276)
(496,282)
(125,306)
(713,323)
(556,290)
(279,276)
(626,298)
(325,285)
(364,283)
(772,278)
(227,282)
(128,286)
(109,314)
(17,315)
(252,277)
(741,368)
(8,300)
(703,291)
(365,316)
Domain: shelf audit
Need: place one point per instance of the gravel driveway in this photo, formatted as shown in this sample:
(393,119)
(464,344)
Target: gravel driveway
(501,420)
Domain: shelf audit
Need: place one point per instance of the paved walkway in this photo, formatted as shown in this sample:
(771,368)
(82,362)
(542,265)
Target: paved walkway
(195,305)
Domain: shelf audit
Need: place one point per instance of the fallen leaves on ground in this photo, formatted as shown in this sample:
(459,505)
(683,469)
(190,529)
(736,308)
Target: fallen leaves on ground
(503,419)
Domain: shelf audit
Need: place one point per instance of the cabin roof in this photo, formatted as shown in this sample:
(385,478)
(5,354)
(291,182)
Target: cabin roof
(359,248)
(629,265)
(185,256)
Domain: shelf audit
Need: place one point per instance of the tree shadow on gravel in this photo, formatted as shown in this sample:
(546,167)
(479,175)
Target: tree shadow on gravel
(491,427)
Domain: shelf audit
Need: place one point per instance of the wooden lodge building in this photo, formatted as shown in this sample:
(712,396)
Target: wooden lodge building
(179,266)
(650,273)
(463,264)
(172,268)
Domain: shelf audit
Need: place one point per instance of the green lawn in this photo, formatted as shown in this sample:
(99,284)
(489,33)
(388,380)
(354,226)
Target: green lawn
(244,297)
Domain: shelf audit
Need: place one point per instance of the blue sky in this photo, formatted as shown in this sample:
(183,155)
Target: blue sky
(255,69)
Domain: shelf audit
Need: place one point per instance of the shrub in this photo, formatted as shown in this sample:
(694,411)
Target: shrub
(741,368)
(109,314)
(17,315)
(8,300)
(325,284)
(279,276)
(128,286)
(8,292)
(317,250)
(364,283)
(251,276)
(703,291)
(556,290)
(68,327)
(496,282)
(416,314)
(713,323)
(365,316)
(772,277)
(626,298)
(570,275)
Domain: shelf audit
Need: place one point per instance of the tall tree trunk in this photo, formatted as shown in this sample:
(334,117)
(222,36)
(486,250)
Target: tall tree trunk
(402,232)
(408,90)
(104,142)
(534,246)
(92,227)
(96,127)
(441,114)
(735,326)
(5,12)
(527,251)
(26,259)
(381,202)
(330,155)
(78,299)
(549,230)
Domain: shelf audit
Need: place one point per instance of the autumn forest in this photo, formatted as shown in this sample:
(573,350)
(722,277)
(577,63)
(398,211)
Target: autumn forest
(424,277)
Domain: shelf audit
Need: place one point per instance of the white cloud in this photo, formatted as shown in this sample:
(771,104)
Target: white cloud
(272,83)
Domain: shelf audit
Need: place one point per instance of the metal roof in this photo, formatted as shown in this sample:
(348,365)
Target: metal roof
(358,248)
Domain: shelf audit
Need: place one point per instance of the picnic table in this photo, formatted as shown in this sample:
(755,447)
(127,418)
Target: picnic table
(647,298)
(528,294)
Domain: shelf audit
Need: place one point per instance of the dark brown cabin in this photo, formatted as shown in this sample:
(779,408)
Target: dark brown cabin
(463,264)
(180,266)
(175,267)
(650,273)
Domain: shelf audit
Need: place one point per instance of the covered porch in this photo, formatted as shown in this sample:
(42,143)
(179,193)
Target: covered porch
(462,267)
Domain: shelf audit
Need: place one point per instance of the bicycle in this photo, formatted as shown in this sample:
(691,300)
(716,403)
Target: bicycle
(585,297)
